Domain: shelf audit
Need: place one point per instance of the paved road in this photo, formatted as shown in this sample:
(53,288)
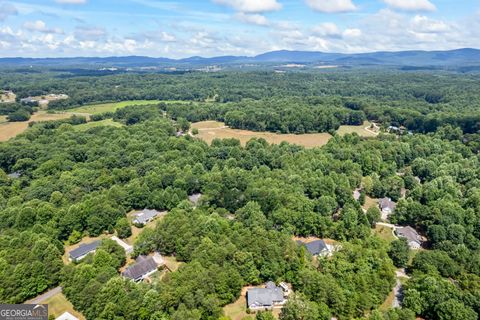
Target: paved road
(45,296)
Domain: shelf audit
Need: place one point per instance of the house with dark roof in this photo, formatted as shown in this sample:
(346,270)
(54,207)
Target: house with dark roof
(145,216)
(266,298)
(143,267)
(387,206)
(413,238)
(316,248)
(83,250)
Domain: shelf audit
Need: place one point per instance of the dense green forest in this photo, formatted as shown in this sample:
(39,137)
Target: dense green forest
(255,198)
(294,102)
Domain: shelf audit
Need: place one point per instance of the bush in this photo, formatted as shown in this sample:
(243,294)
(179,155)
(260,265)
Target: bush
(19,115)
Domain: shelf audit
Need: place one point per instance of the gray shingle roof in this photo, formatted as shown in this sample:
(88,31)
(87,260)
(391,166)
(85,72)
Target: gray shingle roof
(145,216)
(409,233)
(315,247)
(84,249)
(143,266)
(387,203)
(264,297)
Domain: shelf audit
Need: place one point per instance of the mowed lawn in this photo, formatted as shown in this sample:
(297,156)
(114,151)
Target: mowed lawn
(360,130)
(210,130)
(58,304)
(95,124)
(110,107)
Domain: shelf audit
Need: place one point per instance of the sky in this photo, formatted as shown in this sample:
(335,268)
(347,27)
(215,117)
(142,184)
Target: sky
(184,28)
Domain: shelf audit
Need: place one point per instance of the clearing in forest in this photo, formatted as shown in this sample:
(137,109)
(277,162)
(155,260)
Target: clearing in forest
(363,130)
(94,124)
(110,107)
(9,130)
(210,130)
(58,304)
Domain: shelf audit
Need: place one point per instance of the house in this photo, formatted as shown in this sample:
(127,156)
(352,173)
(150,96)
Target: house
(317,247)
(266,298)
(145,216)
(66,316)
(387,206)
(83,250)
(29,100)
(356,194)
(128,248)
(412,236)
(14,175)
(143,267)
(195,198)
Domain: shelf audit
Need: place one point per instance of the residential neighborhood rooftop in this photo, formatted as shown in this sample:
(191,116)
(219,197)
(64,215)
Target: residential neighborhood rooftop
(143,266)
(409,233)
(84,249)
(145,216)
(265,297)
(315,247)
(66,316)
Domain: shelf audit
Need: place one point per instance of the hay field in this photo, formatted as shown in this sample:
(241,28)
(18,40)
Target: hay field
(209,130)
(110,107)
(360,130)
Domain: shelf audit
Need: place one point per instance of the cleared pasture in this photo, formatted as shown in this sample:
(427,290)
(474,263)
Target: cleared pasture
(360,130)
(210,130)
(95,124)
(110,107)
(10,130)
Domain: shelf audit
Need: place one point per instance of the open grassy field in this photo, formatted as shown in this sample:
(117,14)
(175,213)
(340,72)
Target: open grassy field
(360,130)
(9,130)
(94,124)
(58,304)
(384,233)
(109,107)
(3,119)
(209,130)
(370,202)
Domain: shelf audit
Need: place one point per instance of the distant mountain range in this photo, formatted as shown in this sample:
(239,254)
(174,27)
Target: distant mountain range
(459,57)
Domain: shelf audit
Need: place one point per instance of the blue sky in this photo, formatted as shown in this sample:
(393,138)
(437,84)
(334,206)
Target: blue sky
(182,28)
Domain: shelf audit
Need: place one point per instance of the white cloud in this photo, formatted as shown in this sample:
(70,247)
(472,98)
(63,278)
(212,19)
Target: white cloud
(411,5)
(352,33)
(71,1)
(331,6)
(90,33)
(327,29)
(257,19)
(251,6)
(426,25)
(40,26)
(6,10)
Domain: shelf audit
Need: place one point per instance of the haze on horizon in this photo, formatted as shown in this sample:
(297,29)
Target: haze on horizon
(178,29)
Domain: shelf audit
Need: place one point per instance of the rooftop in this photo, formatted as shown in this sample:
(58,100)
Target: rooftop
(387,203)
(143,266)
(66,316)
(259,297)
(314,247)
(84,249)
(409,233)
(145,216)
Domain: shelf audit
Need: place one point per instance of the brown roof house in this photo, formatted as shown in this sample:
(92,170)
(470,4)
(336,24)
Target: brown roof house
(412,236)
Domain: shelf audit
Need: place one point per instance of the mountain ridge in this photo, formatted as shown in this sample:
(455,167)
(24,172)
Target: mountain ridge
(463,56)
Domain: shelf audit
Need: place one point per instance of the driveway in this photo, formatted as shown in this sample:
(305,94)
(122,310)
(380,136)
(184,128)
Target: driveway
(39,299)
